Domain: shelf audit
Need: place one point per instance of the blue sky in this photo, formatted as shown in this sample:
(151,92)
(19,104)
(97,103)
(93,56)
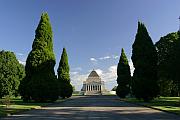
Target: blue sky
(93,31)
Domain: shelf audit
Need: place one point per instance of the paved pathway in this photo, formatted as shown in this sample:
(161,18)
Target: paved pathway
(94,108)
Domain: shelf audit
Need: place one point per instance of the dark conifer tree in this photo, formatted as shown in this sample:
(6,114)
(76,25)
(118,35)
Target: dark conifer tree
(144,57)
(40,83)
(123,76)
(65,88)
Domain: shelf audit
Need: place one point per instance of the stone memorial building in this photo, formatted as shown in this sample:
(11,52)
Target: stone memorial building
(93,85)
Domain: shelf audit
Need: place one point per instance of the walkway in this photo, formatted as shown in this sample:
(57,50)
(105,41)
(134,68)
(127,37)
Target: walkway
(94,108)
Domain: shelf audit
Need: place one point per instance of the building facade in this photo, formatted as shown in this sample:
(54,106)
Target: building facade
(93,85)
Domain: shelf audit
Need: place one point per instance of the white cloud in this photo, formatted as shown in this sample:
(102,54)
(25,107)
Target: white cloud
(76,69)
(22,62)
(104,58)
(110,74)
(99,71)
(115,57)
(109,77)
(113,68)
(20,54)
(77,77)
(74,73)
(93,59)
(77,80)
(131,67)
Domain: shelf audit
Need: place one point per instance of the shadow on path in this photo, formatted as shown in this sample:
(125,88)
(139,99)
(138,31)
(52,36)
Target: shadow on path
(94,107)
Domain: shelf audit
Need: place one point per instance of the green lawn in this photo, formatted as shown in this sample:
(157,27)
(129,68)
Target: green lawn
(170,104)
(17,105)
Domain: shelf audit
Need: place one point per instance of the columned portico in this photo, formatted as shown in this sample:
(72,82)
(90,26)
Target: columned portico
(93,84)
(93,87)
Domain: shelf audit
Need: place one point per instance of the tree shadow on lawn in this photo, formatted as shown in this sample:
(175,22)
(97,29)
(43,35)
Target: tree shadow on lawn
(18,101)
(17,106)
(7,111)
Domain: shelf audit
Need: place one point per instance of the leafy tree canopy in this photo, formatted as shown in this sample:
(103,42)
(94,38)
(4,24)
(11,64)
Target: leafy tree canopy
(167,48)
(11,73)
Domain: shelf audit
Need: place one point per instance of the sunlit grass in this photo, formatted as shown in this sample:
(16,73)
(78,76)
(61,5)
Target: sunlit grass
(170,104)
(16,108)
(17,105)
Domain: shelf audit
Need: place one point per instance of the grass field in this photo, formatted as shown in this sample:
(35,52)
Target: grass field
(170,104)
(17,105)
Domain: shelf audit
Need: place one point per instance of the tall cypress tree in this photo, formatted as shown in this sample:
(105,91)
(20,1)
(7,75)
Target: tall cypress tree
(65,88)
(40,83)
(124,76)
(144,57)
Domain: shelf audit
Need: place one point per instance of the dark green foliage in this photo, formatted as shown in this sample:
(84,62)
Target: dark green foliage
(114,88)
(40,83)
(177,65)
(11,73)
(122,91)
(124,76)
(144,57)
(167,64)
(65,88)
